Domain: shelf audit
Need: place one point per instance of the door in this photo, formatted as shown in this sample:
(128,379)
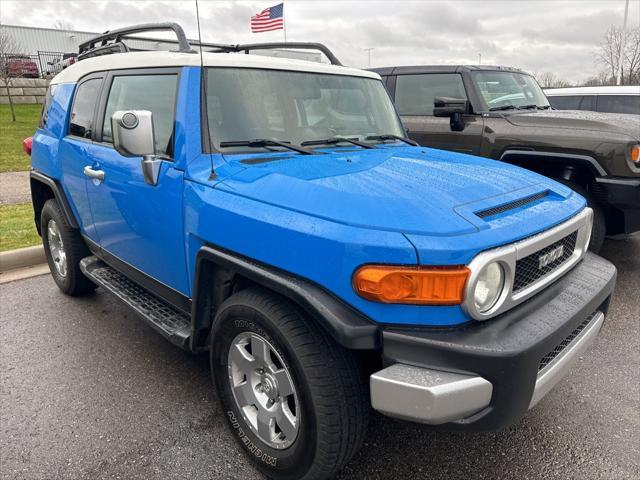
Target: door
(137,223)
(414,96)
(74,151)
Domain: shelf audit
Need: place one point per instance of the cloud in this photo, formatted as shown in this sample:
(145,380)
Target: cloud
(559,36)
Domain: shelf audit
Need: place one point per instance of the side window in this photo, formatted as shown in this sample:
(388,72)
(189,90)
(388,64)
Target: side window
(565,103)
(619,104)
(587,103)
(156,93)
(46,105)
(81,122)
(415,93)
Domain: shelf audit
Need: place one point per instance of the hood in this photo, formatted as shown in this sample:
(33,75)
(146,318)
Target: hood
(412,190)
(578,119)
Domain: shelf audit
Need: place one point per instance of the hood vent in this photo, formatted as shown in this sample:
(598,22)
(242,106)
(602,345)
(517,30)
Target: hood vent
(489,212)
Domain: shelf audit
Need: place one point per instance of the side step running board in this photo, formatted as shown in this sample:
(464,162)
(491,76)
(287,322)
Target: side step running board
(164,318)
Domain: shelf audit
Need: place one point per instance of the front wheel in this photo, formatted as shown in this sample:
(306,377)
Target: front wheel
(296,400)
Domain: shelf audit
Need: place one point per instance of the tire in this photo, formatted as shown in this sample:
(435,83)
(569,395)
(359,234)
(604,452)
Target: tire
(599,230)
(330,400)
(59,238)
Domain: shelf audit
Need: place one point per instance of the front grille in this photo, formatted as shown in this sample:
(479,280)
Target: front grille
(489,212)
(548,358)
(528,268)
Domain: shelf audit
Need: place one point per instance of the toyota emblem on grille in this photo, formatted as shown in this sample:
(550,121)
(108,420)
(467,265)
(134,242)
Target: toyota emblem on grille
(547,258)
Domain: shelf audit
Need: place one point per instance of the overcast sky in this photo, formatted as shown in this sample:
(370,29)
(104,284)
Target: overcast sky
(538,36)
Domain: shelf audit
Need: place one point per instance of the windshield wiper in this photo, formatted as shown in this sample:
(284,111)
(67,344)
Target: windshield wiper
(527,107)
(502,107)
(389,136)
(264,142)
(332,140)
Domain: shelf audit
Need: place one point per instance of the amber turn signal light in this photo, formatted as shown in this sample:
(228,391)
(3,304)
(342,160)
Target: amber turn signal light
(635,154)
(412,285)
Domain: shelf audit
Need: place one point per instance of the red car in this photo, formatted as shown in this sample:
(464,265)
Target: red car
(21,66)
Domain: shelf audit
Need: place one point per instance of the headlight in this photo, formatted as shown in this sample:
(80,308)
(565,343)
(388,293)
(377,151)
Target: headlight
(489,286)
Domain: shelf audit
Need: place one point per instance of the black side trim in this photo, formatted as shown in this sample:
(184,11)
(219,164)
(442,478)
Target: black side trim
(568,158)
(57,192)
(348,327)
(159,289)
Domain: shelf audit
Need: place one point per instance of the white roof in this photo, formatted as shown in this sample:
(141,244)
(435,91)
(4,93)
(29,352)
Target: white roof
(610,90)
(118,61)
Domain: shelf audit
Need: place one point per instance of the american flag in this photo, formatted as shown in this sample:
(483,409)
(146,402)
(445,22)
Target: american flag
(269,19)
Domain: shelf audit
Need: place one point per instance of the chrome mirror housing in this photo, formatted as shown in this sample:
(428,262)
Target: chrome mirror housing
(133,136)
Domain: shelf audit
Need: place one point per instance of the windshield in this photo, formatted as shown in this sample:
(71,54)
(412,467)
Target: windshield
(296,107)
(503,90)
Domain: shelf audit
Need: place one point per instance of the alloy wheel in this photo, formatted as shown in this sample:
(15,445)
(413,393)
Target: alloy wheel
(263,390)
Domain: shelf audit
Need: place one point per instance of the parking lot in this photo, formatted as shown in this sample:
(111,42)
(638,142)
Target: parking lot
(88,391)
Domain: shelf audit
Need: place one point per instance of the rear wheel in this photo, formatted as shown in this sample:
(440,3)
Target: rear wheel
(296,400)
(599,230)
(64,248)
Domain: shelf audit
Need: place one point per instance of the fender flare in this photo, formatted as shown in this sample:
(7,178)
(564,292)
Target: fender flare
(58,193)
(348,327)
(567,158)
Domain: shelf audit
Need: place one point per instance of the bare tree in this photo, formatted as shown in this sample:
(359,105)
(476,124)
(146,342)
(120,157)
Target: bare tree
(609,53)
(602,78)
(8,47)
(550,80)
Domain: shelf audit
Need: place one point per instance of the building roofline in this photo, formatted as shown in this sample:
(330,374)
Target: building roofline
(50,29)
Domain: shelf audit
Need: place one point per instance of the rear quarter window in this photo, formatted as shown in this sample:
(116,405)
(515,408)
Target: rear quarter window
(46,105)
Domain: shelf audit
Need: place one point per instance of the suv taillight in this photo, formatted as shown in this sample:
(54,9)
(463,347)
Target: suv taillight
(27,143)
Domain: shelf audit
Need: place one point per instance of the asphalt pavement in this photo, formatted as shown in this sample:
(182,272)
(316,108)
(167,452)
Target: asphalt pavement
(87,391)
(14,188)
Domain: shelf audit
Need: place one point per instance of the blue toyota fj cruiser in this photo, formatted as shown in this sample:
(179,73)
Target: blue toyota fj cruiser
(273,213)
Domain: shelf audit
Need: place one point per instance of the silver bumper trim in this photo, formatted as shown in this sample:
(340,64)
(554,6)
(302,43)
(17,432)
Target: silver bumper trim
(550,375)
(427,396)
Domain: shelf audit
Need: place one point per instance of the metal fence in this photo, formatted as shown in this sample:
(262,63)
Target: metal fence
(42,65)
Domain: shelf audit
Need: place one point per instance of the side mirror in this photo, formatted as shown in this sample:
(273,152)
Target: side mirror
(454,108)
(133,136)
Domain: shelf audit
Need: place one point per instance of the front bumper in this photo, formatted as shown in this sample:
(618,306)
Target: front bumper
(486,375)
(624,195)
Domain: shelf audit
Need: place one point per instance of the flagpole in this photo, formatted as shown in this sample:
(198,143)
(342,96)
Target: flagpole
(284,23)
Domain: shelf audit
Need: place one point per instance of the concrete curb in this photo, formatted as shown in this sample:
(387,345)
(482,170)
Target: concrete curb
(21,258)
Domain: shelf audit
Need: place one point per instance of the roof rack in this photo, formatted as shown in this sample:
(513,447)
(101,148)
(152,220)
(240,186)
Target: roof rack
(91,48)
(112,42)
(248,47)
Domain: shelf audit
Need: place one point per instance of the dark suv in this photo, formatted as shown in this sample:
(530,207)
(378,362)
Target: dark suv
(502,113)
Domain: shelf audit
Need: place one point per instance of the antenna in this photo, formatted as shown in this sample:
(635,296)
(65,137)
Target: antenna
(203,92)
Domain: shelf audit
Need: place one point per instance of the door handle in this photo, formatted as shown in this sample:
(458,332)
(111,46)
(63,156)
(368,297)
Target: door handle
(96,174)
